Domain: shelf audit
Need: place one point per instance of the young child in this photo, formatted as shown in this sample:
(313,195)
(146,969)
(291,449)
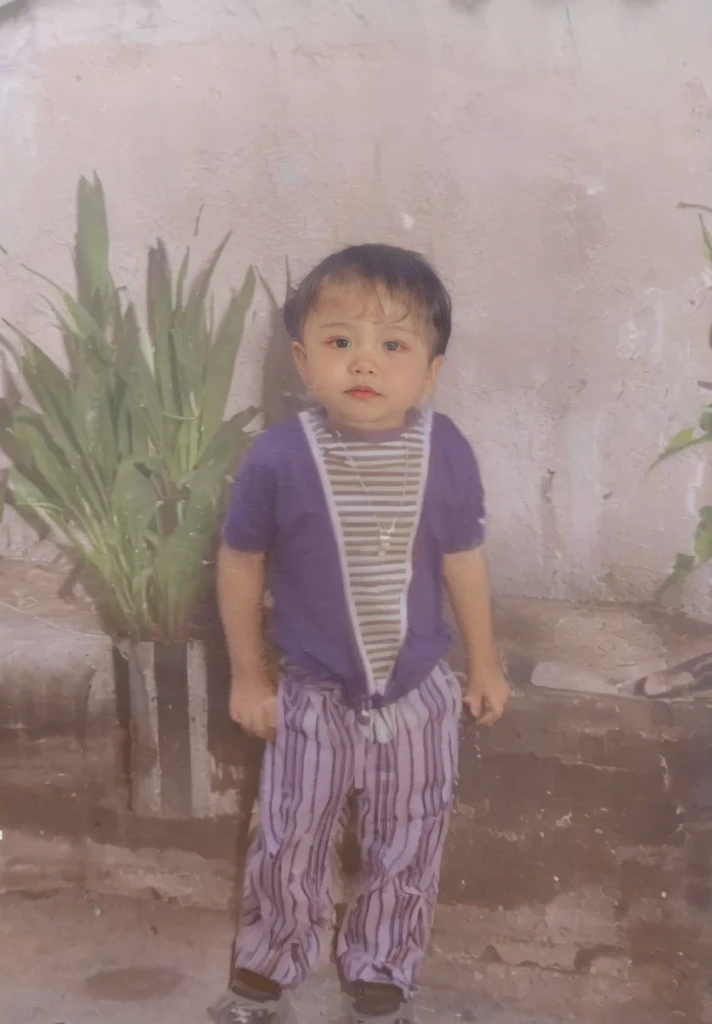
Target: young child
(356,514)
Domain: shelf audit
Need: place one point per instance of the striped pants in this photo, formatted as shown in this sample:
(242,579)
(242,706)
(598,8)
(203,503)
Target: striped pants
(404,788)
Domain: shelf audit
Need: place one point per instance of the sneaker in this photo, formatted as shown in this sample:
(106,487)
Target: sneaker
(234,1009)
(371,1003)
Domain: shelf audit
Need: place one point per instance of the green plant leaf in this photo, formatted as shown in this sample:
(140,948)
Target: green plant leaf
(11,396)
(91,251)
(92,414)
(18,449)
(62,478)
(27,495)
(198,292)
(159,294)
(681,439)
(229,443)
(182,277)
(682,442)
(133,499)
(289,290)
(126,338)
(220,368)
(84,321)
(159,310)
(684,565)
(143,403)
(181,571)
(52,390)
(703,536)
(193,330)
(194,319)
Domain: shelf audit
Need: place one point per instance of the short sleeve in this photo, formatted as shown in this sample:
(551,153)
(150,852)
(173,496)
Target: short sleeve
(250,523)
(465,517)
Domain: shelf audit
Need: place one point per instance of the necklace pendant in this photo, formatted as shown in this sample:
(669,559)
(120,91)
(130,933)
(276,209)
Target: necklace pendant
(385,537)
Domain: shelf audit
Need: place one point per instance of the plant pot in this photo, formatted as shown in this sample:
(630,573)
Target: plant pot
(183,757)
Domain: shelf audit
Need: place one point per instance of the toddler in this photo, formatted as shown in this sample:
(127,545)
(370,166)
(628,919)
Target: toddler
(358,515)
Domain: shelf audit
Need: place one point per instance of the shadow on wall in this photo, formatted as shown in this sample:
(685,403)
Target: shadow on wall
(11,8)
(283,393)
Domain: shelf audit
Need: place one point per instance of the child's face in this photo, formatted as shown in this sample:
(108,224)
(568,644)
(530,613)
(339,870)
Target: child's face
(365,358)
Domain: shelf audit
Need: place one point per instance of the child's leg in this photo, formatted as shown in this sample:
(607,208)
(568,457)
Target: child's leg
(404,815)
(306,777)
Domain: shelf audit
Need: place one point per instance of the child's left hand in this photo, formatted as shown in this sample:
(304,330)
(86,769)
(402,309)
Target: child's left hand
(487,694)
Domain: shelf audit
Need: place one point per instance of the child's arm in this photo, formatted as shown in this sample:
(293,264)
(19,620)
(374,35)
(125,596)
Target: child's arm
(241,588)
(467,581)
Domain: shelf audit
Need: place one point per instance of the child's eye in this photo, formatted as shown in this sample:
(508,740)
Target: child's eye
(392,346)
(340,342)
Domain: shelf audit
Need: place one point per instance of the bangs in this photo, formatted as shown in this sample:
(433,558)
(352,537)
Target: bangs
(401,282)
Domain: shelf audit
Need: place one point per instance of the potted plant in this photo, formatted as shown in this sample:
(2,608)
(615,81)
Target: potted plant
(125,456)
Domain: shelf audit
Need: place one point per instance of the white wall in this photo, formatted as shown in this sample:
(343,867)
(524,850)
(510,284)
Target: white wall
(535,150)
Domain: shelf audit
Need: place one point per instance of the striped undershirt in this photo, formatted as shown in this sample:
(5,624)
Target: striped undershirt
(375,494)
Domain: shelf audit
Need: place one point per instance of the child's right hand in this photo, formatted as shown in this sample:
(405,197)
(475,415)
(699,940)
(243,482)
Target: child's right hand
(253,705)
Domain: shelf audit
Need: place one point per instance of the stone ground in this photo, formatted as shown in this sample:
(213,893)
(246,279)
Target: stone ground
(70,957)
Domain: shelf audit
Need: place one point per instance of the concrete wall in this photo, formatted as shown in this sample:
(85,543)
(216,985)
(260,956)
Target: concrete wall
(535,150)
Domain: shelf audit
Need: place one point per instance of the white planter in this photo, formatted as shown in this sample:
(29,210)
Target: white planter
(164,695)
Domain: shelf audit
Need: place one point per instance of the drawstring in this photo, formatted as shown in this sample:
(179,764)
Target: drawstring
(375,725)
(379,724)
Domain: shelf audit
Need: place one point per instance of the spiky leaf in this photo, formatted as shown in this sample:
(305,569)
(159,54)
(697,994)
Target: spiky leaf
(684,565)
(683,441)
(91,253)
(221,361)
(703,536)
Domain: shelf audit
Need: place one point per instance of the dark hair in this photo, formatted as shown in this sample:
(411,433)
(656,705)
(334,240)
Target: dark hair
(405,275)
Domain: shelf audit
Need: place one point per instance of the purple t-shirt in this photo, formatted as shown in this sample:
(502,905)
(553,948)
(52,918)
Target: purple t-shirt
(279,506)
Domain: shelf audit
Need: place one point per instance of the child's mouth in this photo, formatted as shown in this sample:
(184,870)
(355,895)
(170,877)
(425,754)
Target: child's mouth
(362,393)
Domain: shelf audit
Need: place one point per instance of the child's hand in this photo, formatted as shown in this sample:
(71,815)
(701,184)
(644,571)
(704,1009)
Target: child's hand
(487,694)
(253,705)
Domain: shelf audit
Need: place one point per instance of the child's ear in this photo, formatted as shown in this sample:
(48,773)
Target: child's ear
(300,358)
(433,372)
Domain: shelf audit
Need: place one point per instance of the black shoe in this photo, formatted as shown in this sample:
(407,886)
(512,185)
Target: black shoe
(372,1003)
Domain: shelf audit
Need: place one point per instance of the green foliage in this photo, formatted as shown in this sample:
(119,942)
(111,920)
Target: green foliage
(126,454)
(693,437)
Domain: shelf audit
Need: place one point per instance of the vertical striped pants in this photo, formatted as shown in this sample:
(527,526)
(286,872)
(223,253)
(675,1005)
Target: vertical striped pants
(404,789)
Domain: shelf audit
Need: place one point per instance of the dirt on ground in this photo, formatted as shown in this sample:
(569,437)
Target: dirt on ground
(70,957)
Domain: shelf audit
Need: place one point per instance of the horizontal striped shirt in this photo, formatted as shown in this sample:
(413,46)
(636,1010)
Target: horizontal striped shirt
(375,493)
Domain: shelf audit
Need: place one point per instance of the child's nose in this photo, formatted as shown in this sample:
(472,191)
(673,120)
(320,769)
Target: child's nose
(363,361)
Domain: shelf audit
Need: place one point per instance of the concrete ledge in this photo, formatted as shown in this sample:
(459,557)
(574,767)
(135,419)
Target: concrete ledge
(35,864)
(54,679)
